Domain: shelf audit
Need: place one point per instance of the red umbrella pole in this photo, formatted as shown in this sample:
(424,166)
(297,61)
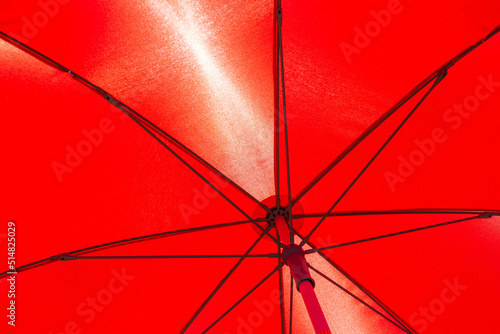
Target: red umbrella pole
(294,257)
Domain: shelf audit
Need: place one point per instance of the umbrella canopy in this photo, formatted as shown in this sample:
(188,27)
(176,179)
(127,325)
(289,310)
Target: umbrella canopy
(146,145)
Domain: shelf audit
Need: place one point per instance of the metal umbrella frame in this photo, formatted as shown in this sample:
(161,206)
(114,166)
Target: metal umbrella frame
(275,221)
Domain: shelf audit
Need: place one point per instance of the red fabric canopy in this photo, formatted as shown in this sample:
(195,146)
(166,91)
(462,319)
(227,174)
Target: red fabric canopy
(78,172)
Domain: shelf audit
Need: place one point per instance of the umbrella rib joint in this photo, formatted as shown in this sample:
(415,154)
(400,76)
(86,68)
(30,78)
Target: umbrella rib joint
(62,257)
(294,257)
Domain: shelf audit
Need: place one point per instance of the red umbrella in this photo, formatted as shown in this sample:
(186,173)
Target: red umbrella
(158,154)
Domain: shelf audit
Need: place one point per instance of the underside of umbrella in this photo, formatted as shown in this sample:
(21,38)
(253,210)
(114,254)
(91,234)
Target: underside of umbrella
(250,166)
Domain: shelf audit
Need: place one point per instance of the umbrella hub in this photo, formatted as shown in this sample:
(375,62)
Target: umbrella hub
(271,211)
(275,212)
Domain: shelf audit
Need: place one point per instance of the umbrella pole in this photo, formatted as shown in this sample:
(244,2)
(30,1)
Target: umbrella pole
(294,257)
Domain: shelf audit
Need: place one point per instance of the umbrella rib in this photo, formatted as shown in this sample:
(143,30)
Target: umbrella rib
(244,297)
(277,127)
(401,212)
(365,291)
(285,122)
(282,305)
(198,256)
(391,111)
(125,241)
(158,235)
(314,250)
(357,298)
(116,102)
(436,82)
(221,283)
(291,302)
(25,267)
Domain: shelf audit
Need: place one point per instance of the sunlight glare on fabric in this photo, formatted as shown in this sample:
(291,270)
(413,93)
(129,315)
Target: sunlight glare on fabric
(239,126)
